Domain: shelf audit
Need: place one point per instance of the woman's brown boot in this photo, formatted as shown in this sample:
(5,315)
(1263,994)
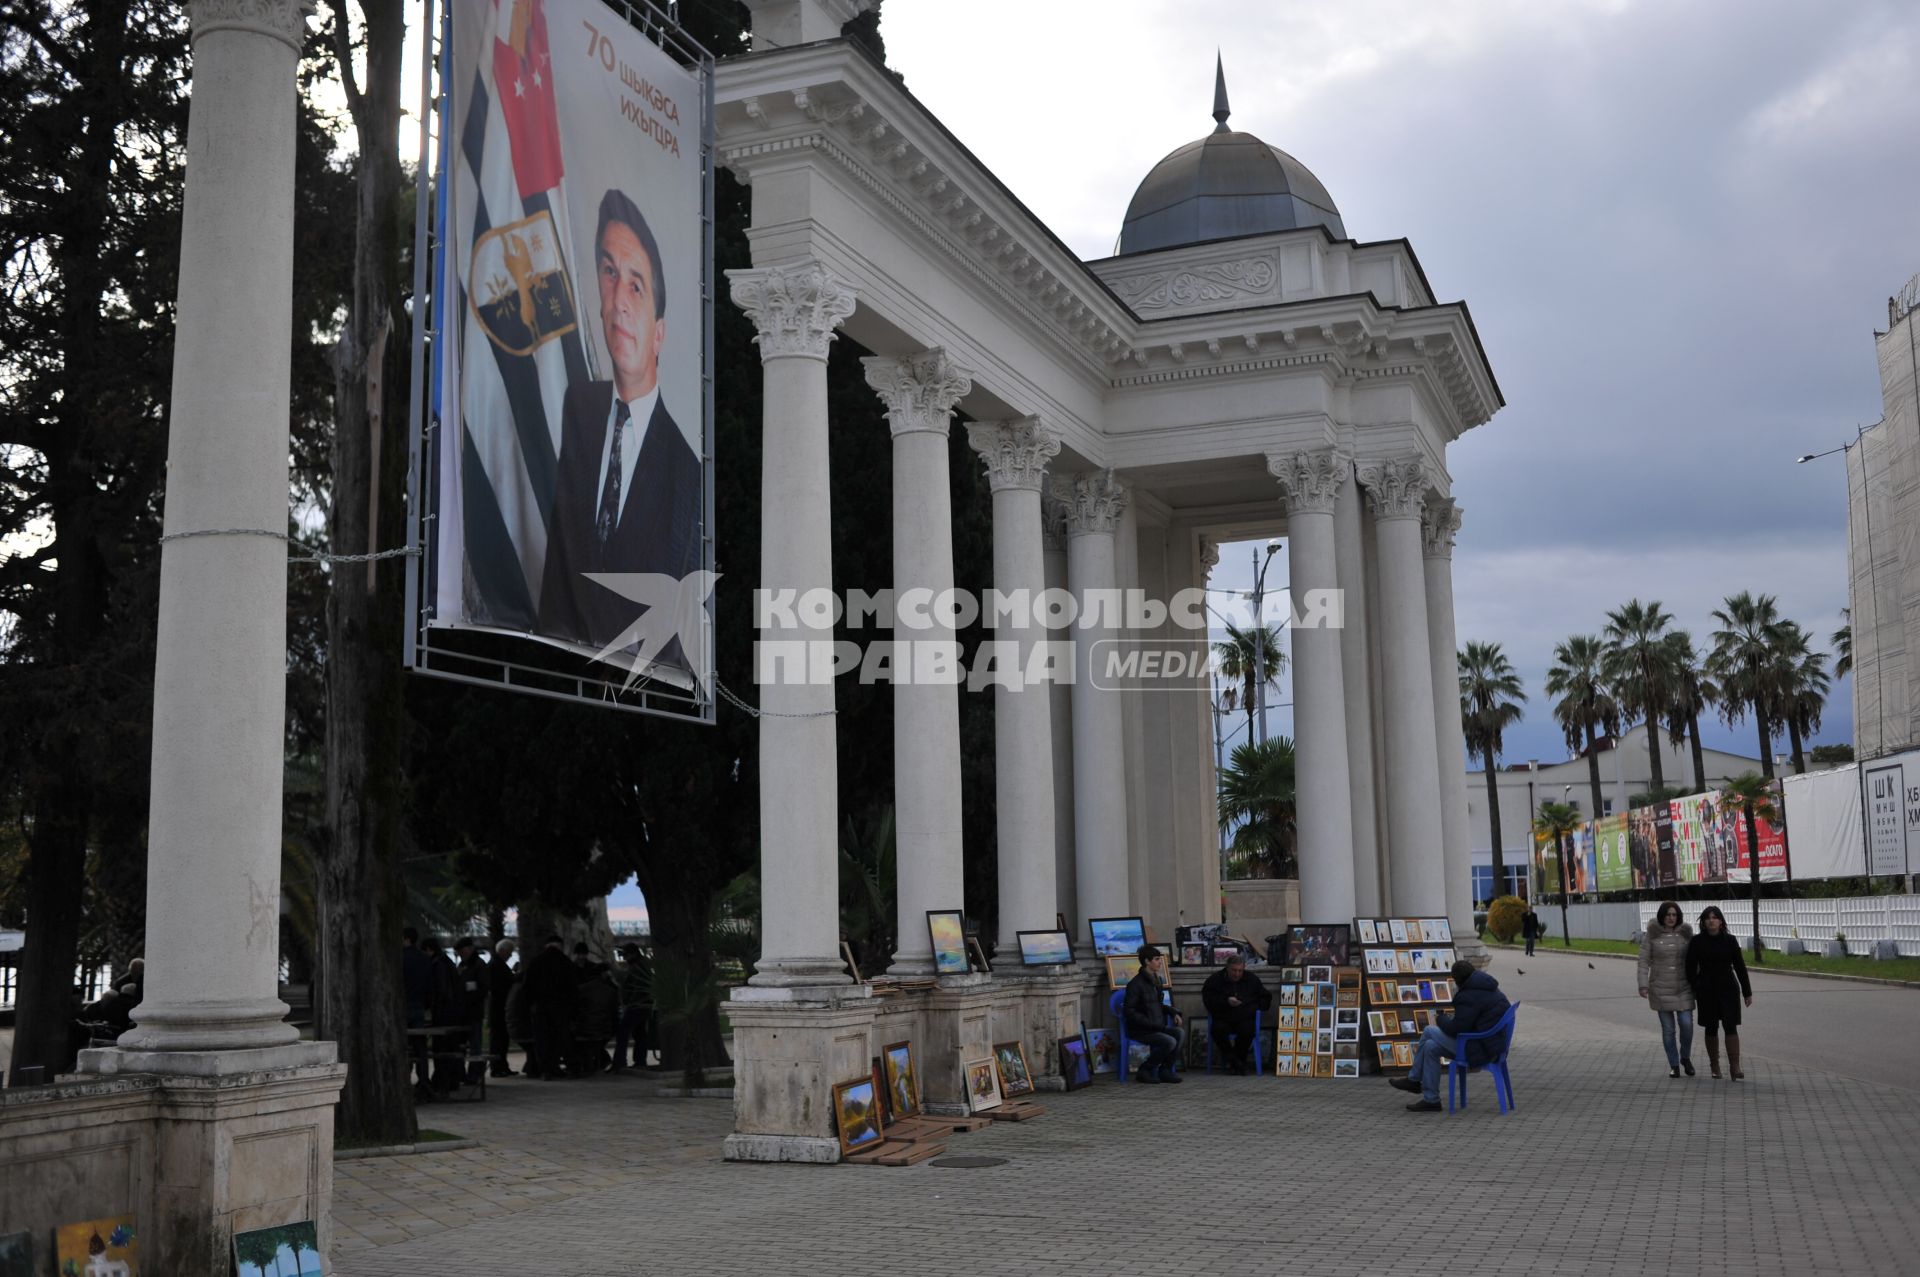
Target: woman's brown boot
(1733,1057)
(1713,1053)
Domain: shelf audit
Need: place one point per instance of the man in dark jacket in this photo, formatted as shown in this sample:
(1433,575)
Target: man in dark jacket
(500,982)
(1232,995)
(1530,929)
(473,1001)
(445,1008)
(1150,1021)
(1478,1005)
(549,982)
(416,983)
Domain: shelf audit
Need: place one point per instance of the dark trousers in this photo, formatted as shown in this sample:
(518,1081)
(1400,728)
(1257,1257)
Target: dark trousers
(1530,946)
(497,1032)
(549,1041)
(1232,1038)
(1163,1049)
(634,1023)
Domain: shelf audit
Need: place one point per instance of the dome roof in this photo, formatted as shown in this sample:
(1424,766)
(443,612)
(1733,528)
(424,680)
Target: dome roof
(1224,185)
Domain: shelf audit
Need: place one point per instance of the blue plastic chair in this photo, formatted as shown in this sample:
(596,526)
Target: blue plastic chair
(1259,1058)
(1125,1069)
(1500,1039)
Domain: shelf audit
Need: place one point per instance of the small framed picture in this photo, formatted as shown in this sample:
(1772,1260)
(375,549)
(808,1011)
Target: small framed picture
(1443,990)
(982,1078)
(1403,961)
(1303,1066)
(1346,1068)
(1346,1033)
(1385,1050)
(1309,995)
(1409,993)
(1113,936)
(1320,975)
(1103,1045)
(1076,1067)
(1326,994)
(1283,1017)
(1426,990)
(1289,995)
(1376,1023)
(856,1112)
(1323,1042)
(1192,955)
(1045,948)
(903,1081)
(1348,998)
(1397,927)
(1283,1041)
(1121,968)
(947,928)
(1403,1054)
(1346,1015)
(1323,1065)
(1295,974)
(1015,1078)
(1367,933)
(1438,929)
(1407,1026)
(1282,1064)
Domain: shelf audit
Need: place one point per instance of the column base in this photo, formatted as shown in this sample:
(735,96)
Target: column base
(210,1026)
(1471,949)
(783,973)
(781,1148)
(791,1046)
(109,1060)
(194,1158)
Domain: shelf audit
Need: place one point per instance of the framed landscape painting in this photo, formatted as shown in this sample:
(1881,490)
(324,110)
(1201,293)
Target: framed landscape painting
(1114,936)
(903,1084)
(291,1250)
(1076,1067)
(947,928)
(1121,969)
(1103,1046)
(1045,948)
(99,1245)
(856,1112)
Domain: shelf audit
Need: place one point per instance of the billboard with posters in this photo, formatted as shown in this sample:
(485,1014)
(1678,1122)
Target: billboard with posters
(1613,856)
(1884,792)
(1690,818)
(1773,844)
(570,424)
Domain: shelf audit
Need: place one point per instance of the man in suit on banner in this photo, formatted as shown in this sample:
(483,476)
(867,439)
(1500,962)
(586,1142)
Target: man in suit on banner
(627,487)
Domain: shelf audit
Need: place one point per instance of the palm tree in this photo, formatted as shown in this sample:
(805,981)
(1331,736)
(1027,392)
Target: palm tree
(1690,692)
(1585,708)
(1744,662)
(1556,821)
(1843,645)
(1636,665)
(1257,790)
(1490,700)
(1242,654)
(1752,796)
(1803,689)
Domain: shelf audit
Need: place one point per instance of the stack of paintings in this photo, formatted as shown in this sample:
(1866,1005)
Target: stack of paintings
(1408,964)
(1317,1022)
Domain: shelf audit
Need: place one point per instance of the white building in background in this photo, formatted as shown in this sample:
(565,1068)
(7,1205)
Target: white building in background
(1883,560)
(1625,769)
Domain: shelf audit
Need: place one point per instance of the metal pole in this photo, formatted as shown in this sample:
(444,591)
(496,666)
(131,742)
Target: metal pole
(1259,649)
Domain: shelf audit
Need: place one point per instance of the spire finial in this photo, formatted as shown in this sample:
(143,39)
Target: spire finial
(1220,108)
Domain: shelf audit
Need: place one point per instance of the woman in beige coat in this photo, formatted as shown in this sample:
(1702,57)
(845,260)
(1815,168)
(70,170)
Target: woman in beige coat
(1663,983)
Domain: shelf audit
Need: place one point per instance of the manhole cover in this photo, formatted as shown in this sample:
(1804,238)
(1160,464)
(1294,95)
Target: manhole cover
(968,1163)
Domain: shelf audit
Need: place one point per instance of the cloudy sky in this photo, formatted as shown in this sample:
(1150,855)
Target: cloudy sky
(1677,223)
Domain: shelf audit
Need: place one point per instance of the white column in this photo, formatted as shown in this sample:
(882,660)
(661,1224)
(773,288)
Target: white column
(1438,526)
(1016,455)
(796,309)
(1309,484)
(920,392)
(1356,669)
(1094,502)
(1397,490)
(219,690)
(1053,517)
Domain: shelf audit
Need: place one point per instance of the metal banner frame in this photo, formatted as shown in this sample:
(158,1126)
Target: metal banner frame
(453,654)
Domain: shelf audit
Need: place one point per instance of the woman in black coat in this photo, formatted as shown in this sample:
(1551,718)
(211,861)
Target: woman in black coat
(1718,974)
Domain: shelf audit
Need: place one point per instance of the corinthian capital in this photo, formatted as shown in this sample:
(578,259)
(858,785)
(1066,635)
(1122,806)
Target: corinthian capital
(1053,518)
(1093,501)
(1396,487)
(1309,481)
(919,390)
(1438,523)
(284,20)
(1015,452)
(795,308)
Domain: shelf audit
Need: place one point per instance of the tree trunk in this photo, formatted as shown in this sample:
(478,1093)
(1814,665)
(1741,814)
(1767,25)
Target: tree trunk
(361,896)
(1655,763)
(1699,758)
(1593,773)
(1493,826)
(56,880)
(1753,882)
(1766,740)
(677,912)
(1799,755)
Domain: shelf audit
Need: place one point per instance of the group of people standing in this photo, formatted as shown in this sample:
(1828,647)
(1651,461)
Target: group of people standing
(1684,973)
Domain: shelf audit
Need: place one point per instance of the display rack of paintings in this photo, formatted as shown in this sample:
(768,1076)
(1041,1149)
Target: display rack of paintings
(1407,966)
(1316,1018)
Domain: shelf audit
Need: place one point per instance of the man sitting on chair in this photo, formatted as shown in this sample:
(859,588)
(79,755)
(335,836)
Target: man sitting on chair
(1150,1021)
(1478,1005)
(1232,996)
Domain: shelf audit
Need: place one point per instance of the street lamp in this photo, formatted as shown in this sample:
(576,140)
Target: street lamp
(1260,565)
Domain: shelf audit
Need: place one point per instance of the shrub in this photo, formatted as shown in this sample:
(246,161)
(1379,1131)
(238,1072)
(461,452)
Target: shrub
(1503,918)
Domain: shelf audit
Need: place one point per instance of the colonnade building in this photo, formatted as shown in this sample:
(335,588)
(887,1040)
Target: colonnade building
(1239,368)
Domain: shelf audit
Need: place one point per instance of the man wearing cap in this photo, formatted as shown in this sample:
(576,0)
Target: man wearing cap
(1150,1021)
(1478,1005)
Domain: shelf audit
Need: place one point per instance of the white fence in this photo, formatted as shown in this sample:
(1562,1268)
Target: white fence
(1864,920)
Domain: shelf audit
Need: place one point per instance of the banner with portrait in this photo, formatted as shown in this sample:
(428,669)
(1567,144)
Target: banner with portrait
(569,428)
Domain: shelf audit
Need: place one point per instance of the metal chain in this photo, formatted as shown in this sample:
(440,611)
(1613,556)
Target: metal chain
(732,699)
(311,556)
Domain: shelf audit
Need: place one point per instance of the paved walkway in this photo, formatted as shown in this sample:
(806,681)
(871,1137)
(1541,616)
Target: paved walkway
(1607,1168)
